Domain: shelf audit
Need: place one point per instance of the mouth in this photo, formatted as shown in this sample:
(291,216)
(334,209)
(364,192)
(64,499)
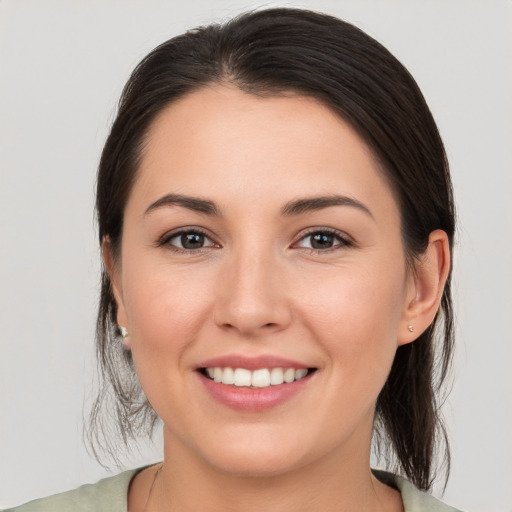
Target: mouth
(255,379)
(257,383)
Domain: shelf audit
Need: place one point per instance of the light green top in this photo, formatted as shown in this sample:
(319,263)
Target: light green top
(110,495)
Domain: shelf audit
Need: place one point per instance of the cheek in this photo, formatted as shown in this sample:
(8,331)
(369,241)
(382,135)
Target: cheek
(167,312)
(356,315)
(165,309)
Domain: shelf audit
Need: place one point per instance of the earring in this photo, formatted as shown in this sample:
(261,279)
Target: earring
(123,332)
(411,328)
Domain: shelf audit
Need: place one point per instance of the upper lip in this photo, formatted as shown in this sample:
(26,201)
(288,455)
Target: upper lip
(251,363)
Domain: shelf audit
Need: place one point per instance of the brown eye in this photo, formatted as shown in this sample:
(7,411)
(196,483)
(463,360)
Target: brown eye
(323,241)
(192,240)
(189,240)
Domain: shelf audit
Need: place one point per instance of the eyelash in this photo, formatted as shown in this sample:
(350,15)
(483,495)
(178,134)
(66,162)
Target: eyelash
(341,238)
(165,240)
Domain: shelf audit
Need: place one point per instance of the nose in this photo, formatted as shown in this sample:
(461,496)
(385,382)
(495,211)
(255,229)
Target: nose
(252,295)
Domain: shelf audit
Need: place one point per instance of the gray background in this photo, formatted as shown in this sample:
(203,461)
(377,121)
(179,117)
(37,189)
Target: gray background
(62,66)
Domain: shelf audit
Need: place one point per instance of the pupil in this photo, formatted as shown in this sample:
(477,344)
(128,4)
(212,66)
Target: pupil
(192,240)
(322,241)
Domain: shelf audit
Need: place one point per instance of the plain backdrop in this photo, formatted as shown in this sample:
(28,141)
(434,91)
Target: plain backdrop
(62,66)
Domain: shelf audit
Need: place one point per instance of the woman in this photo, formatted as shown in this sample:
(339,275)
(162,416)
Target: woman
(276,221)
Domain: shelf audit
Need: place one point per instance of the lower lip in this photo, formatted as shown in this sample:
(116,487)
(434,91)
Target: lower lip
(253,399)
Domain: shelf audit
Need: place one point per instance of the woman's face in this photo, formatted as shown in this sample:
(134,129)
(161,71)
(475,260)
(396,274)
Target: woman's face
(260,235)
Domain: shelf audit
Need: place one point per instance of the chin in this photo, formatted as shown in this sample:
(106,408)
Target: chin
(254,466)
(251,456)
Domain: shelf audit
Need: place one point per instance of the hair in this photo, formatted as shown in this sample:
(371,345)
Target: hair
(268,53)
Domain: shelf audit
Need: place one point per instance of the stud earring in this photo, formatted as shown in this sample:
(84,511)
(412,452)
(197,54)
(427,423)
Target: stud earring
(123,332)
(411,328)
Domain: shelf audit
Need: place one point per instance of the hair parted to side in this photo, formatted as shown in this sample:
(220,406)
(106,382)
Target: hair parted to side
(271,52)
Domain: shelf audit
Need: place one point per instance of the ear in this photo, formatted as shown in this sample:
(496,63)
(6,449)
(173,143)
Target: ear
(113,270)
(425,288)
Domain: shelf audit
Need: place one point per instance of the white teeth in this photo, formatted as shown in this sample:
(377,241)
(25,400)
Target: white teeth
(289,375)
(261,378)
(300,374)
(243,377)
(228,376)
(276,376)
(217,374)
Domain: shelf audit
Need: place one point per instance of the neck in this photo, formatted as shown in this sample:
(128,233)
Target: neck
(186,483)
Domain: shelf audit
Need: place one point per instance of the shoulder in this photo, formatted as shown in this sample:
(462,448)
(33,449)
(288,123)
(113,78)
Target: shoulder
(107,495)
(414,500)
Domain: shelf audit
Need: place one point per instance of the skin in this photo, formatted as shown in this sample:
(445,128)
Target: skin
(258,287)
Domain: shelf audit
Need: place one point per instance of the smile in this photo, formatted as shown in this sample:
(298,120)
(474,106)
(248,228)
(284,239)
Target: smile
(259,378)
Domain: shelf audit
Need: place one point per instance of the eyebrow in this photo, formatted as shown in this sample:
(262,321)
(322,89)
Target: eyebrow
(308,204)
(295,207)
(196,204)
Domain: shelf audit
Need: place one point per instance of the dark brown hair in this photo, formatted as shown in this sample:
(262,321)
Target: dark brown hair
(270,52)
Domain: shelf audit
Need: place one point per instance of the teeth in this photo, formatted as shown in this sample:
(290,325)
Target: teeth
(217,374)
(262,378)
(228,376)
(289,375)
(243,377)
(300,374)
(276,376)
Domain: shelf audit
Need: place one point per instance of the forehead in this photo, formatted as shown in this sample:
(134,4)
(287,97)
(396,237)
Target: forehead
(218,115)
(222,141)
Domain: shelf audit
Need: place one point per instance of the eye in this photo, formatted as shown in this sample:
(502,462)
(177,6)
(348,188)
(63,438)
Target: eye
(323,240)
(188,240)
